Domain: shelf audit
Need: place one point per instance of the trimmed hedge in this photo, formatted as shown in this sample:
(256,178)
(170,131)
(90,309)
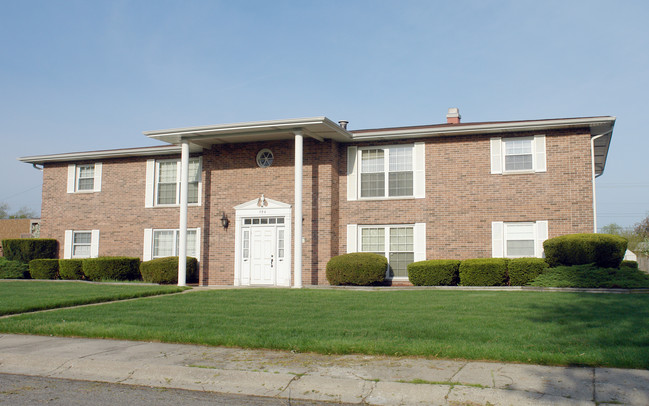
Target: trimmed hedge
(604,250)
(165,270)
(26,249)
(523,270)
(629,264)
(13,269)
(358,268)
(44,268)
(71,269)
(483,272)
(438,272)
(114,268)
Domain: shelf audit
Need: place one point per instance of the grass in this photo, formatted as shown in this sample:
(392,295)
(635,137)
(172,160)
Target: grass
(591,276)
(29,296)
(530,327)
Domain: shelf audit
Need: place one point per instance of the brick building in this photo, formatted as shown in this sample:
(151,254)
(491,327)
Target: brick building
(453,190)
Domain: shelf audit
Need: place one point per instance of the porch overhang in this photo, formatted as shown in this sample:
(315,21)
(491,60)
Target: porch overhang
(319,128)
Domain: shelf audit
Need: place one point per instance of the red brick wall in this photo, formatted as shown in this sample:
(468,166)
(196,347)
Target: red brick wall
(462,199)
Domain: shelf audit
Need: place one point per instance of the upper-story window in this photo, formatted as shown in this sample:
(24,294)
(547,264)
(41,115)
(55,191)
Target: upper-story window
(518,154)
(163,182)
(84,177)
(385,172)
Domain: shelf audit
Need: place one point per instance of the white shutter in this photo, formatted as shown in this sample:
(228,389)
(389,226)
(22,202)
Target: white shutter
(419,233)
(352,237)
(539,151)
(352,174)
(72,173)
(148,244)
(98,177)
(497,242)
(94,243)
(67,245)
(150,183)
(419,167)
(198,244)
(496,155)
(541,235)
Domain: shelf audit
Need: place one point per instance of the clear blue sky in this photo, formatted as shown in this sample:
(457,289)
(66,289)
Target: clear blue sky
(87,75)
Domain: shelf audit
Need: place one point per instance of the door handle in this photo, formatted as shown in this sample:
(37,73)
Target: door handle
(271,261)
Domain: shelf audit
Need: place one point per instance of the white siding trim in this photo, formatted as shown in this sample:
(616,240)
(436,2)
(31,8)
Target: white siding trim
(150,183)
(539,152)
(541,228)
(496,155)
(419,170)
(94,243)
(497,239)
(352,238)
(67,245)
(72,174)
(198,244)
(148,244)
(352,173)
(97,180)
(419,234)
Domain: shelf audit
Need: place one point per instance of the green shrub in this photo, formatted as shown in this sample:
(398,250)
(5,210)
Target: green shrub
(13,269)
(44,268)
(523,270)
(113,268)
(26,249)
(71,269)
(605,250)
(629,264)
(165,270)
(483,272)
(438,272)
(591,276)
(359,268)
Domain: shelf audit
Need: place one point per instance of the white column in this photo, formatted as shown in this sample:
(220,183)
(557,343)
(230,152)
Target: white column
(297,267)
(182,240)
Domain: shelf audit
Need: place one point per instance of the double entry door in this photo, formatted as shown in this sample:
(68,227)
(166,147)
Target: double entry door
(263,250)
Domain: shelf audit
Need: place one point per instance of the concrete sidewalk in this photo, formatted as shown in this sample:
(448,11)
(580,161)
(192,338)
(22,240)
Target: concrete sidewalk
(375,380)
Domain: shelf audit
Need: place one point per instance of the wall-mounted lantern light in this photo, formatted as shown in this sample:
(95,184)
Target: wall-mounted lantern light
(224,221)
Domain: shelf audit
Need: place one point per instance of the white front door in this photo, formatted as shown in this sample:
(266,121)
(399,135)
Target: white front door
(262,258)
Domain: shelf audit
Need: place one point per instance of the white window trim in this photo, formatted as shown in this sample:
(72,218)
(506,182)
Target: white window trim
(73,178)
(499,237)
(539,160)
(147,254)
(419,241)
(68,245)
(418,172)
(152,173)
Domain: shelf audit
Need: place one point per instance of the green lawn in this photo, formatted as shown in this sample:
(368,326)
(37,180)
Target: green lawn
(529,327)
(26,296)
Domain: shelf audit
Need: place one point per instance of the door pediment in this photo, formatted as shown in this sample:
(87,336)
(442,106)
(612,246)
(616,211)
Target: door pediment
(262,203)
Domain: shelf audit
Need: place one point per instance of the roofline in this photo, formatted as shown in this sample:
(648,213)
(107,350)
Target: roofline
(103,154)
(485,127)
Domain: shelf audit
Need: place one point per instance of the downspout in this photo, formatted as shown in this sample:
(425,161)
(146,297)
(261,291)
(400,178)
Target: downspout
(182,240)
(36,167)
(592,157)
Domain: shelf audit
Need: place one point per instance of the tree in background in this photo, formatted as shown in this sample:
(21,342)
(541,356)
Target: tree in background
(642,228)
(22,213)
(637,234)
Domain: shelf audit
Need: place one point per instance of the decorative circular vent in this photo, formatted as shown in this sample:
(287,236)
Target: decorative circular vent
(265,158)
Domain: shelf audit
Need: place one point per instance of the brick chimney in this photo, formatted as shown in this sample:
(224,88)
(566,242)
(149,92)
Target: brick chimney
(453,116)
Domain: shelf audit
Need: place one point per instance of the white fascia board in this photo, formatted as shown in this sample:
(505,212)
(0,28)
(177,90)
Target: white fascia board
(114,153)
(484,128)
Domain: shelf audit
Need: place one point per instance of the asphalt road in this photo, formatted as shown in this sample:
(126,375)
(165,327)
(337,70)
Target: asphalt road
(32,390)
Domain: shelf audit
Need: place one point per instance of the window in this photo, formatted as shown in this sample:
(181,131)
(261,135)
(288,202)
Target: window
(81,244)
(167,182)
(393,164)
(518,155)
(84,178)
(518,239)
(386,172)
(165,243)
(396,243)
(265,158)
